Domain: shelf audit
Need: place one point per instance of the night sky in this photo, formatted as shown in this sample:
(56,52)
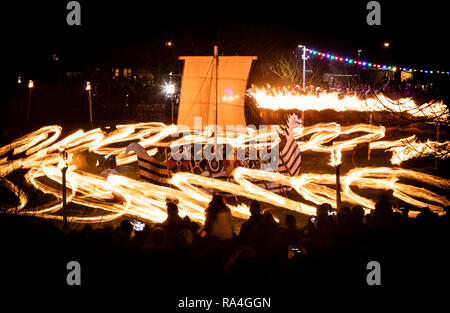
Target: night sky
(121,30)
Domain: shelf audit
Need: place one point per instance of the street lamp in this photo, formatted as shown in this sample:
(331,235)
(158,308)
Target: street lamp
(304,76)
(359,69)
(386,44)
(88,89)
(170,90)
(30,87)
(304,67)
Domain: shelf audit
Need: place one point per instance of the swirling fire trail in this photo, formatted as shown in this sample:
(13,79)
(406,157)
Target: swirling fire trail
(285,99)
(118,195)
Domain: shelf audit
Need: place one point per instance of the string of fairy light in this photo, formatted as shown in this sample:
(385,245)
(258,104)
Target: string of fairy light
(370,65)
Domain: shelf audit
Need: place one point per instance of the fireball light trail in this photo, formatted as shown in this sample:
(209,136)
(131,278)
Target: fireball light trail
(119,195)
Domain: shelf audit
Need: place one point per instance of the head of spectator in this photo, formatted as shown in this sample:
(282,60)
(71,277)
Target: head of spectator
(195,227)
(185,236)
(426,216)
(290,222)
(268,217)
(187,219)
(344,216)
(187,223)
(173,222)
(357,215)
(157,237)
(322,211)
(255,208)
(125,228)
(425,211)
(382,217)
(172,210)
(384,205)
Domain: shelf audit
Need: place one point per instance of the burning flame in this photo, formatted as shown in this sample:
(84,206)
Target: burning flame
(336,156)
(418,149)
(284,99)
(117,195)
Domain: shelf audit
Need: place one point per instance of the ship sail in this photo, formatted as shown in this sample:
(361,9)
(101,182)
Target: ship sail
(198,90)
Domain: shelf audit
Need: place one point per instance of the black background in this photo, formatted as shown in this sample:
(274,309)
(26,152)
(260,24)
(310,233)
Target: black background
(31,30)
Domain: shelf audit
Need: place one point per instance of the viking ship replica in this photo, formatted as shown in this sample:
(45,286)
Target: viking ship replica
(212,101)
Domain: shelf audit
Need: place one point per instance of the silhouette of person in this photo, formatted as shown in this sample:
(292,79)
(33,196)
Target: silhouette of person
(248,226)
(173,223)
(290,222)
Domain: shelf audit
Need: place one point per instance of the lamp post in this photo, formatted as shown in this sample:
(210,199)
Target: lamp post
(171,104)
(88,89)
(338,187)
(304,65)
(359,69)
(304,76)
(30,87)
(63,166)
(171,92)
(368,147)
(216,58)
(336,156)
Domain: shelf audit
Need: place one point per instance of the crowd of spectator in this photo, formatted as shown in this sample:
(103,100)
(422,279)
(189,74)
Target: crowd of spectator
(333,247)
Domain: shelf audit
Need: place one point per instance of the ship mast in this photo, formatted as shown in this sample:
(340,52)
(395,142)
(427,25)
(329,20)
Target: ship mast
(216,58)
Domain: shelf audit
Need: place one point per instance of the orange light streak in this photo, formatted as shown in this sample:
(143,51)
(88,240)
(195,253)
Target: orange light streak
(117,195)
(284,99)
